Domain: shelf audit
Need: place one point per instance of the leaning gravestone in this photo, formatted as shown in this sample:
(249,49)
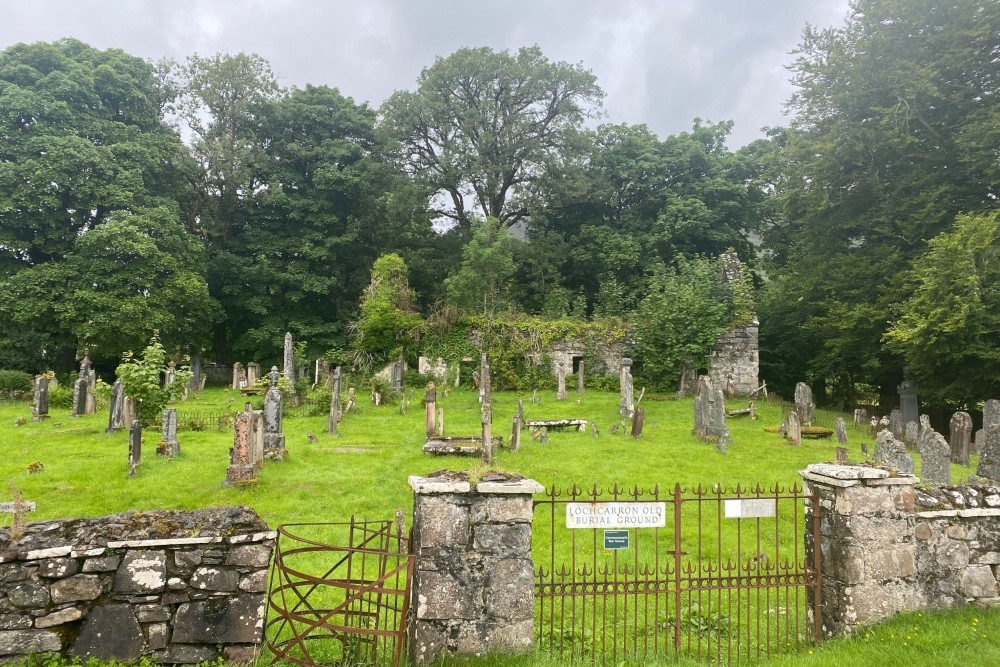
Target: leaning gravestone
(40,403)
(134,448)
(960,437)
(896,423)
(710,414)
(274,439)
(241,470)
(804,404)
(626,396)
(841,429)
(860,416)
(891,453)
(989,448)
(116,410)
(169,445)
(935,454)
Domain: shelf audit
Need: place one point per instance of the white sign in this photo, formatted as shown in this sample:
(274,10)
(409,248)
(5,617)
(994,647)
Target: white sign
(27,505)
(616,515)
(750,508)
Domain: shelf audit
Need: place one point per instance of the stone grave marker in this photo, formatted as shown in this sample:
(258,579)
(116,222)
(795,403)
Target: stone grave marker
(440,422)
(989,448)
(911,432)
(288,359)
(579,378)
(134,447)
(241,470)
(40,400)
(169,445)
(626,389)
(935,457)
(396,376)
(80,393)
(842,454)
(896,423)
(793,428)
(91,408)
(520,412)
(333,419)
(239,375)
(891,453)
(274,439)
(841,429)
(430,410)
(960,437)
(977,442)
(194,384)
(804,404)
(908,404)
(253,373)
(515,434)
(561,384)
(860,416)
(170,373)
(637,422)
(710,413)
(116,409)
(257,437)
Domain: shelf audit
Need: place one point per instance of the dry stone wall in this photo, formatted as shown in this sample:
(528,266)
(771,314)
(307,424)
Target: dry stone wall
(179,587)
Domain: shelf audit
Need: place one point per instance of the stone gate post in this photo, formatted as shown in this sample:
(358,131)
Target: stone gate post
(473,581)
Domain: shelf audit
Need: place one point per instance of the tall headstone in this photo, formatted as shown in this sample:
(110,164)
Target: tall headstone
(85,364)
(520,412)
(977,442)
(80,393)
(40,401)
(891,453)
(333,419)
(91,403)
(239,375)
(793,428)
(989,448)
(396,376)
(805,406)
(561,384)
(134,447)
(911,432)
(710,414)
(274,439)
(896,423)
(637,422)
(169,445)
(116,410)
(289,360)
(935,455)
(960,437)
(128,410)
(688,384)
(241,470)
(908,403)
(841,429)
(253,373)
(430,410)
(194,384)
(626,408)
(257,437)
(580,388)
(484,363)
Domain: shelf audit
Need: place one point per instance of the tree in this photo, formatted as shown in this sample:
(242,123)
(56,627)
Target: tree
(388,320)
(947,330)
(482,282)
(483,126)
(141,380)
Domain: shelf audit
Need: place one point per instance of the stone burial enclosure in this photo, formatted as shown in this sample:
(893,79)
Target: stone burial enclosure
(178,587)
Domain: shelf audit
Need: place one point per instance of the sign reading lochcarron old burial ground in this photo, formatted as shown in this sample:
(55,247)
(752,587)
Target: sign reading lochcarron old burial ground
(616,515)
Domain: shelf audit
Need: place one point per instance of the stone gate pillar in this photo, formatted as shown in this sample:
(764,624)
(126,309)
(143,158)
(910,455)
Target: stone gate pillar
(473,581)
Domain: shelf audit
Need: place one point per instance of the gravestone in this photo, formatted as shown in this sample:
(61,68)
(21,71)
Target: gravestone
(935,457)
(637,422)
(710,414)
(793,428)
(134,448)
(579,378)
(128,410)
(841,429)
(85,364)
(515,434)
(976,446)
(239,376)
(169,445)
(843,454)
(989,448)
(322,372)
(253,373)
(860,416)
(908,403)
(960,437)
(194,384)
(440,422)
(430,410)
(626,390)
(520,411)
(333,419)
(561,384)
(257,437)
(804,404)
(274,439)
(891,453)
(91,405)
(911,432)
(483,375)
(241,470)
(896,423)
(80,393)
(116,409)
(688,384)
(40,401)
(396,376)
(288,359)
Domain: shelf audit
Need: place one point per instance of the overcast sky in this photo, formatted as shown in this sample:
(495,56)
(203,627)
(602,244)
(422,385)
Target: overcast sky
(661,62)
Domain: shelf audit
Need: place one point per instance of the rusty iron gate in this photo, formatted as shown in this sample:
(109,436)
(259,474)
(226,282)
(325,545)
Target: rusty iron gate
(709,573)
(339,594)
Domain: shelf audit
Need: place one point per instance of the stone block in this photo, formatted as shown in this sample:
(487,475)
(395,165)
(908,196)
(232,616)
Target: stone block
(14,622)
(873,602)
(67,615)
(57,568)
(142,572)
(953,555)
(23,642)
(504,541)
(440,596)
(109,633)
(78,587)
(249,555)
(215,579)
(150,613)
(516,509)
(103,564)
(157,636)
(187,560)
(515,637)
(862,500)
(923,531)
(978,582)
(255,582)
(442,523)
(891,562)
(430,642)
(509,591)
(179,654)
(220,621)
(244,654)
(29,595)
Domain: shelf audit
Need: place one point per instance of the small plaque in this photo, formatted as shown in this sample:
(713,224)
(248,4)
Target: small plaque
(749,508)
(615,539)
(28,505)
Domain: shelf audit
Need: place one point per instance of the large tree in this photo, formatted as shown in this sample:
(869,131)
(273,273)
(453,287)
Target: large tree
(483,126)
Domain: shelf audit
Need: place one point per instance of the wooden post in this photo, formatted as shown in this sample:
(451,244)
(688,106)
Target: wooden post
(430,409)
(637,421)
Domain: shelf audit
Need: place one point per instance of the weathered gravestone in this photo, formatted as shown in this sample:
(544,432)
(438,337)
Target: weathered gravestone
(252,373)
(194,384)
(911,433)
(134,448)
(274,439)
(793,428)
(486,414)
(960,437)
(860,416)
(128,410)
(116,410)
(239,376)
(396,376)
(841,429)
(891,453)
(561,384)
(241,470)
(638,421)
(935,455)
(908,404)
(40,401)
(977,442)
(804,404)
(688,383)
(169,445)
(579,378)
(430,410)
(288,360)
(710,414)
(322,374)
(91,407)
(625,406)
(80,392)
(333,419)
(989,448)
(170,373)
(896,423)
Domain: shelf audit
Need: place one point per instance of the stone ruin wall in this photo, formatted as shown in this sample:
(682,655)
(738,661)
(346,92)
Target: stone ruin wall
(734,363)
(890,546)
(608,357)
(178,587)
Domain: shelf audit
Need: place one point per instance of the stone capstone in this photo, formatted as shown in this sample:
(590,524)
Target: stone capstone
(142,572)
(109,633)
(220,621)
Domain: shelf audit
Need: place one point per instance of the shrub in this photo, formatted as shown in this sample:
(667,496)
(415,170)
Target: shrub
(61,397)
(15,381)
